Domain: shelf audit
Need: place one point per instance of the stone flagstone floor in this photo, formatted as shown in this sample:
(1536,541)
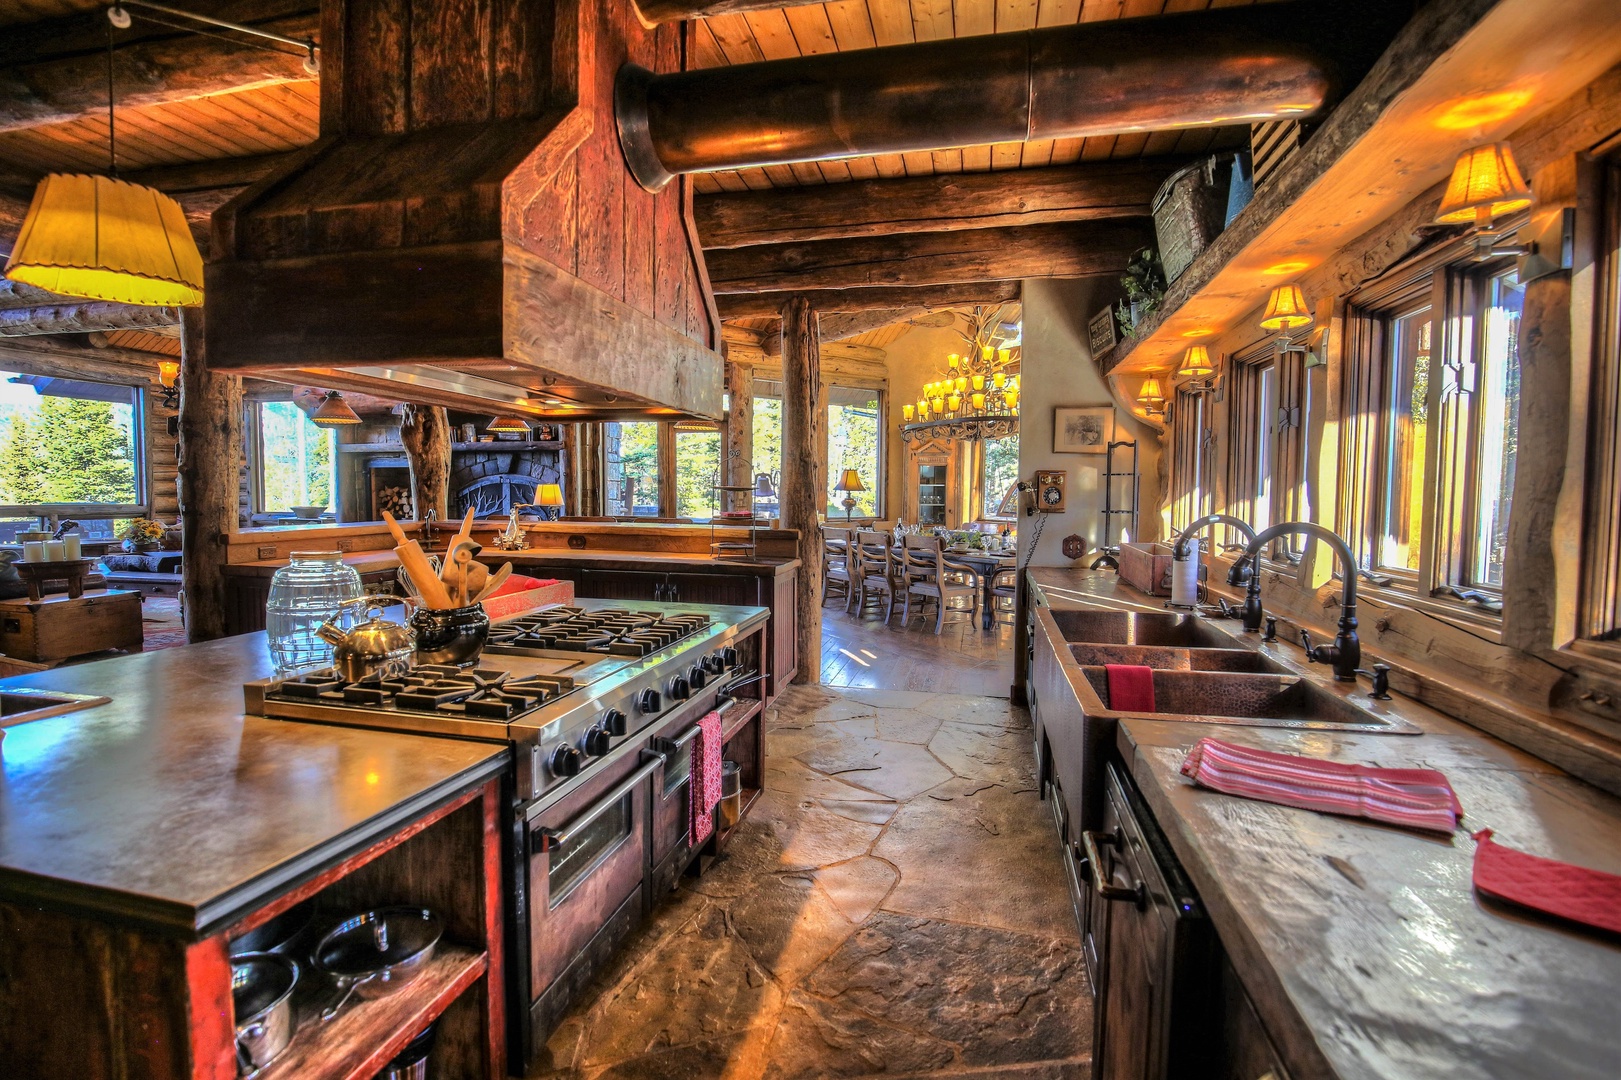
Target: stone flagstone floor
(895,905)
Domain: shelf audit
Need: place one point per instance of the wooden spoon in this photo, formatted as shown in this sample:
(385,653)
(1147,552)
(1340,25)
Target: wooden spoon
(498,579)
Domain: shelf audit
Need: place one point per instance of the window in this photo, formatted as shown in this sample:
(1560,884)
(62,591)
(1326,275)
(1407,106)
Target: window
(295,459)
(1601,549)
(631,468)
(854,442)
(1000,473)
(1406,434)
(1190,476)
(697,471)
(768,447)
(1497,436)
(1264,434)
(69,448)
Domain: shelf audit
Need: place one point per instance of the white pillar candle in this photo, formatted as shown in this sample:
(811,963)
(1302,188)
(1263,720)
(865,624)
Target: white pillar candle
(33,551)
(70,546)
(53,551)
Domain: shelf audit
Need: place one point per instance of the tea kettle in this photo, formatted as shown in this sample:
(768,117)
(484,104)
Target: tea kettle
(376,647)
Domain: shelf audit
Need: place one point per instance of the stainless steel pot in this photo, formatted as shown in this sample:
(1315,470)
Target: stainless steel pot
(280,935)
(377,952)
(262,999)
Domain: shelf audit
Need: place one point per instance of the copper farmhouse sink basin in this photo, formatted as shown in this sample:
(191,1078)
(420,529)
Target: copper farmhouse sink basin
(1177,659)
(1138,628)
(1248,699)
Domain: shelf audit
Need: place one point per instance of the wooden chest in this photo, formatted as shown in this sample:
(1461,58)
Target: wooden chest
(57,627)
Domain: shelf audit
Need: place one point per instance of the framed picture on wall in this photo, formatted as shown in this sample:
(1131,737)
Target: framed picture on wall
(1084,429)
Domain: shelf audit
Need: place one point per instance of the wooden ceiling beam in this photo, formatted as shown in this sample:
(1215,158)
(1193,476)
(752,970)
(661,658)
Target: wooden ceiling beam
(937,203)
(82,316)
(56,70)
(666,11)
(926,298)
(1069,250)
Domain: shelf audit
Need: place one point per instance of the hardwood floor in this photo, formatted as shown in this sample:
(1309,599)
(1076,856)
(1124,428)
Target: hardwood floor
(863,651)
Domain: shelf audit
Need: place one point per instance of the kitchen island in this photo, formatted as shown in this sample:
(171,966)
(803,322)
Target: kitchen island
(1336,947)
(138,836)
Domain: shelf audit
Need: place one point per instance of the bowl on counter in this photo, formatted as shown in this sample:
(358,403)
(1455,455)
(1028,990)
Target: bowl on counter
(307,513)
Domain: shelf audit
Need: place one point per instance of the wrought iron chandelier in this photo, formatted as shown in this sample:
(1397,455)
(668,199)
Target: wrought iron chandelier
(977,397)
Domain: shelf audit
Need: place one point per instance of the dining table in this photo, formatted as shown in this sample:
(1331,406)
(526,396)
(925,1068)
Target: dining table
(986,564)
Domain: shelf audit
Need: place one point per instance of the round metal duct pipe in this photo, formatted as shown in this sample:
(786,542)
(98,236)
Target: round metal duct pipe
(1226,66)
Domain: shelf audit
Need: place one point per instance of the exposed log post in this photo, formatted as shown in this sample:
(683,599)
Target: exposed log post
(210,479)
(669,503)
(582,472)
(425,434)
(799,494)
(739,449)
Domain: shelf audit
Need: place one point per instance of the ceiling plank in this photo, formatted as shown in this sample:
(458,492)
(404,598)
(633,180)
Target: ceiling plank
(56,70)
(929,297)
(931,204)
(1071,249)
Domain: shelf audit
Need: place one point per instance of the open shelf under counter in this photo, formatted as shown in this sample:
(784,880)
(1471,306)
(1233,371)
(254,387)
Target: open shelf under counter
(1386,144)
(358,1042)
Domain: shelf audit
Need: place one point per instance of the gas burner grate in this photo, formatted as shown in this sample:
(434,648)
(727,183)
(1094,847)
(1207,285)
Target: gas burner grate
(434,689)
(613,631)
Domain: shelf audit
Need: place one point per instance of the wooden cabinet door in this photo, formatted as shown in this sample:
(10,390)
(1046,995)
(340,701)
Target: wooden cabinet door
(621,585)
(931,485)
(715,589)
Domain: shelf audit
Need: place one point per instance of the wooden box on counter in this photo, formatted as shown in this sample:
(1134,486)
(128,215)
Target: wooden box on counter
(58,627)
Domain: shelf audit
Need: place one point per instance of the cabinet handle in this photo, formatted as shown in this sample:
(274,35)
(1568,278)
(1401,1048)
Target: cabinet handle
(1108,890)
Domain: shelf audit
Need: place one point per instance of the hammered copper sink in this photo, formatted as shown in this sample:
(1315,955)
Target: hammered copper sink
(1250,699)
(1174,659)
(1138,628)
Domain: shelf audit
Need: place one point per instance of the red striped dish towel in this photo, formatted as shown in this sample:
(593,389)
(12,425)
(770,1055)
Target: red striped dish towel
(704,790)
(1589,897)
(1415,798)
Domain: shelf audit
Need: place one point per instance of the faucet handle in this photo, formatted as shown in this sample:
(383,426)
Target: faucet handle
(1380,675)
(1305,643)
(1271,629)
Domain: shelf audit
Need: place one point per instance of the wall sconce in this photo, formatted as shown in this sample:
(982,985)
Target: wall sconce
(1486,182)
(1195,363)
(1286,310)
(1151,397)
(169,380)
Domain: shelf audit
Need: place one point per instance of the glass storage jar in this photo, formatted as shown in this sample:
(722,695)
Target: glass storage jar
(305,593)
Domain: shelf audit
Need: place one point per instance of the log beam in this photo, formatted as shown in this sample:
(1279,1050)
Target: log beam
(666,11)
(425,434)
(799,494)
(210,479)
(939,203)
(83,316)
(50,78)
(739,467)
(927,298)
(1072,250)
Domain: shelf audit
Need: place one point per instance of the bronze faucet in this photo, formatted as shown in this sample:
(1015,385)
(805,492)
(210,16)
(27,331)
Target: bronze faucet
(1239,573)
(1346,652)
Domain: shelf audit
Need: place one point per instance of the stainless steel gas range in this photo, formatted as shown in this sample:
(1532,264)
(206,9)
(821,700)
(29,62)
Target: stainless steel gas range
(599,702)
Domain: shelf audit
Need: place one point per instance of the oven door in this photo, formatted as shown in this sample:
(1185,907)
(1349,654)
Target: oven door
(671,849)
(587,857)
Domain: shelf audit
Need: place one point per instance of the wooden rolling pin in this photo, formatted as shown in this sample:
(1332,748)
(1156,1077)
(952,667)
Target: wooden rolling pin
(429,587)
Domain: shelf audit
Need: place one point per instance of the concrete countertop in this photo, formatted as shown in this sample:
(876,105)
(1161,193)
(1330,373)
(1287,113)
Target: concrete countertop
(169,808)
(367,562)
(1364,947)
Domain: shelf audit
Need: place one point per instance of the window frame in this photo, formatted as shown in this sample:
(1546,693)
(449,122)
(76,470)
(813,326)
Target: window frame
(1598,627)
(140,439)
(253,442)
(664,438)
(1275,425)
(878,486)
(981,449)
(1191,482)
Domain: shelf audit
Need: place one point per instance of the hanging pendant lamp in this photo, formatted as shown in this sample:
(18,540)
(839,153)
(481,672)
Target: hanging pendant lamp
(333,412)
(102,238)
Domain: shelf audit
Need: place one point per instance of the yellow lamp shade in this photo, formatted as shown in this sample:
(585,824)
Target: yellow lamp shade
(1195,363)
(168,373)
(1003,355)
(987,352)
(1151,394)
(998,379)
(507,425)
(1012,399)
(937,403)
(978,382)
(962,384)
(1286,309)
(952,361)
(102,238)
(1485,182)
(922,408)
(333,411)
(549,495)
(906,413)
(979,402)
(850,480)
(954,402)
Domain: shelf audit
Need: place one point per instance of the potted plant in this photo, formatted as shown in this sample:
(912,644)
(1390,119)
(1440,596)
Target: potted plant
(143,534)
(1144,282)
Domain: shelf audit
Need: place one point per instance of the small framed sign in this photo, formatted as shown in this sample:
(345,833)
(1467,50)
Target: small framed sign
(1100,329)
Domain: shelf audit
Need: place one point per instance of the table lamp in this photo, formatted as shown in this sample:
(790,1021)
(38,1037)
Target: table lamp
(849,483)
(550,495)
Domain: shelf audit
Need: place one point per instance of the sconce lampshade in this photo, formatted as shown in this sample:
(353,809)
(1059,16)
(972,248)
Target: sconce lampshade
(168,373)
(1485,182)
(763,488)
(101,238)
(1196,363)
(507,425)
(1151,394)
(549,495)
(850,481)
(1286,309)
(333,412)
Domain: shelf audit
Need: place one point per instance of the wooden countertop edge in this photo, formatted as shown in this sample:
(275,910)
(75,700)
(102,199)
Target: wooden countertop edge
(372,561)
(195,922)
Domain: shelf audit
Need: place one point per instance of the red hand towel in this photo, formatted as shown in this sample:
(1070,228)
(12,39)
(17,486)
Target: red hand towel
(704,789)
(1415,798)
(1131,687)
(1589,897)
(517,583)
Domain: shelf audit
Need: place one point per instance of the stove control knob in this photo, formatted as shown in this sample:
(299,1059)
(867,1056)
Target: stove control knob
(597,741)
(613,721)
(679,689)
(698,676)
(729,655)
(715,663)
(566,761)
(649,701)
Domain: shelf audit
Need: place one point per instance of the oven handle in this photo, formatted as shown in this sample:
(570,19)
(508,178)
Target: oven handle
(652,761)
(668,747)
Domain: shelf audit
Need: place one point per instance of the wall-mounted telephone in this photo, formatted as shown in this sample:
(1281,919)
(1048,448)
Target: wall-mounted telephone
(1047,491)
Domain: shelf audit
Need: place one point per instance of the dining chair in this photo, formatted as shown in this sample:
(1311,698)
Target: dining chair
(930,576)
(1004,586)
(876,577)
(836,564)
